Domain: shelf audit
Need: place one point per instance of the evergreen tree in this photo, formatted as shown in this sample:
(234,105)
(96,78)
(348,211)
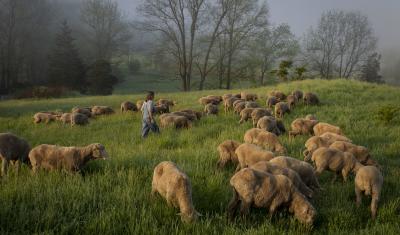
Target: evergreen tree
(100,78)
(370,70)
(65,65)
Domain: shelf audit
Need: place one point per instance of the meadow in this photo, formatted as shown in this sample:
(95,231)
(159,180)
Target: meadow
(113,197)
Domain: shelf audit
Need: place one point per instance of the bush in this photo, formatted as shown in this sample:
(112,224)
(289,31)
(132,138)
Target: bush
(100,78)
(41,92)
(387,113)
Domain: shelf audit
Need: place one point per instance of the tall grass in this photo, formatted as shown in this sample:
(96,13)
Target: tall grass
(113,197)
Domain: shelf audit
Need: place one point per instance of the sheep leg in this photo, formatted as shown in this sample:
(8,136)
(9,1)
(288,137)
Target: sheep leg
(358,196)
(335,177)
(374,202)
(233,205)
(244,208)
(17,166)
(345,173)
(4,167)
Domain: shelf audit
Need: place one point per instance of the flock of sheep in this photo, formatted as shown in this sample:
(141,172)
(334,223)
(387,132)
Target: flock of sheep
(265,177)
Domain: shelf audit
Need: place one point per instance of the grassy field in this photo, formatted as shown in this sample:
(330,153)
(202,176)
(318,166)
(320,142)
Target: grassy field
(113,197)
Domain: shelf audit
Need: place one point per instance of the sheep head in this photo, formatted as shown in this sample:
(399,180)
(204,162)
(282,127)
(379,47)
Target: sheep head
(98,151)
(190,218)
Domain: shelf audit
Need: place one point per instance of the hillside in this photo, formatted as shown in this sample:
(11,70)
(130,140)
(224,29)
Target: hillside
(113,197)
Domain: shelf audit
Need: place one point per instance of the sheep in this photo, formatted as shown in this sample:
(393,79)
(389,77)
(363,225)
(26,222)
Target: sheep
(259,113)
(304,169)
(175,121)
(44,117)
(161,108)
(361,153)
(268,123)
(248,97)
(298,95)
(323,127)
(70,159)
(302,126)
(227,153)
(85,111)
(128,106)
(369,180)
(197,114)
(139,104)
(336,161)
(310,99)
(280,109)
(264,190)
(65,118)
(210,109)
(102,110)
(190,116)
(228,103)
(278,94)
(13,148)
(311,117)
(249,154)
(215,97)
(207,100)
(252,104)
(238,101)
(271,101)
(291,101)
(273,169)
(166,102)
(245,114)
(264,139)
(226,96)
(332,137)
(174,186)
(281,126)
(324,140)
(79,119)
(239,107)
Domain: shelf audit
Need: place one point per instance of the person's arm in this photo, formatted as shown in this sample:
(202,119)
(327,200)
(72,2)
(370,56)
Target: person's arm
(151,111)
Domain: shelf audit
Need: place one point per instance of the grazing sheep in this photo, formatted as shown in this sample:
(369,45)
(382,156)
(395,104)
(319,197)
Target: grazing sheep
(174,185)
(298,95)
(128,106)
(336,161)
(12,148)
(249,154)
(245,114)
(264,190)
(166,102)
(84,111)
(323,127)
(139,104)
(228,103)
(197,114)
(302,126)
(227,153)
(252,104)
(273,169)
(248,97)
(324,140)
(311,117)
(44,117)
(264,139)
(271,101)
(175,121)
(281,126)
(304,169)
(278,94)
(259,113)
(291,101)
(268,123)
(65,118)
(190,116)
(226,96)
(79,119)
(369,180)
(332,137)
(215,97)
(238,107)
(207,100)
(361,153)
(210,109)
(71,159)
(238,101)
(310,98)
(161,108)
(280,109)
(102,110)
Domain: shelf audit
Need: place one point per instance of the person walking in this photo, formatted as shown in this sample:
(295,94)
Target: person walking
(148,111)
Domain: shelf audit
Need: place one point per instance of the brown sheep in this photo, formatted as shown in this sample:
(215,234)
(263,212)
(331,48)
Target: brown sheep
(264,139)
(192,113)
(252,104)
(128,106)
(215,97)
(259,113)
(304,169)
(206,100)
(238,101)
(302,126)
(13,148)
(298,95)
(175,187)
(245,115)
(238,107)
(161,108)
(65,118)
(361,153)
(190,116)
(84,111)
(332,137)
(323,127)
(228,103)
(102,110)
(166,102)
(175,121)
(273,169)
(44,117)
(226,96)
(227,153)
(271,101)
(264,190)
(369,180)
(281,109)
(278,94)
(211,109)
(248,97)
(311,117)
(139,104)
(249,154)
(291,101)
(324,140)
(269,123)
(336,161)
(310,99)
(70,159)
(79,119)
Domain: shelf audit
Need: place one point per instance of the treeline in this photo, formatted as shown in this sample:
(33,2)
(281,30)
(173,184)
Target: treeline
(83,45)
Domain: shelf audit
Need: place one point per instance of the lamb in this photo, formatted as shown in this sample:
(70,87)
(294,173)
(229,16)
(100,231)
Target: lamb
(291,101)
(70,159)
(175,121)
(336,161)
(369,180)
(248,97)
(166,102)
(102,110)
(228,103)
(280,109)
(227,153)
(304,169)
(298,95)
(273,169)
(259,113)
(271,101)
(128,106)
(238,107)
(251,104)
(245,114)
(79,119)
(323,127)
(139,104)
(264,139)
(264,190)
(206,100)
(249,154)
(174,186)
(302,126)
(84,111)
(269,123)
(44,117)
(361,153)
(210,109)
(310,99)
(13,148)
(278,94)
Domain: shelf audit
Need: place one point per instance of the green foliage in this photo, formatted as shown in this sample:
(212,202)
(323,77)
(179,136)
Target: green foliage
(299,72)
(100,78)
(387,113)
(134,66)
(283,71)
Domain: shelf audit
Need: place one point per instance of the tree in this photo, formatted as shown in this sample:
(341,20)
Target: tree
(283,71)
(65,66)
(370,69)
(100,78)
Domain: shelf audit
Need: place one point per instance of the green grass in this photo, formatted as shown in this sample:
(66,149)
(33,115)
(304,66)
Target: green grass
(113,197)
